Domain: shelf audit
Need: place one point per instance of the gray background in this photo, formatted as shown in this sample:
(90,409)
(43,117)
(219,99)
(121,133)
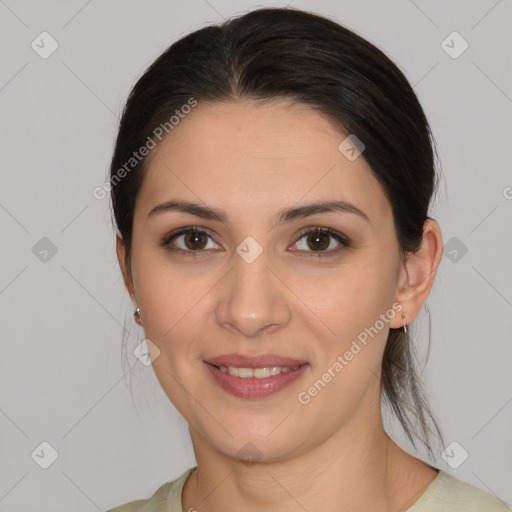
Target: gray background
(63,379)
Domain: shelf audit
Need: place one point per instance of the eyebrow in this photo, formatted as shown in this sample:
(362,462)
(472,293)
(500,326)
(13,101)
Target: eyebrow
(286,215)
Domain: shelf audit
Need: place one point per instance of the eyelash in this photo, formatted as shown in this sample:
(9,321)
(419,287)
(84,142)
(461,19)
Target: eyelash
(344,241)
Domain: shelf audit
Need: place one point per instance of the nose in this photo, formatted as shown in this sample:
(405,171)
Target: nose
(253,300)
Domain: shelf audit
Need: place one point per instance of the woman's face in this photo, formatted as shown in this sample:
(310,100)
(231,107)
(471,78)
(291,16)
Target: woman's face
(257,285)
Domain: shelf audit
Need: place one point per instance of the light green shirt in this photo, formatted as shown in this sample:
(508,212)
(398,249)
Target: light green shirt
(445,494)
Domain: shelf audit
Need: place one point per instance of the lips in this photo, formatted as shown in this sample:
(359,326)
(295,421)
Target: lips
(263,361)
(255,388)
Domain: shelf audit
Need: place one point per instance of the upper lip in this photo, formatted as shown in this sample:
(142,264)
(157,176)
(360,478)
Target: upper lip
(263,361)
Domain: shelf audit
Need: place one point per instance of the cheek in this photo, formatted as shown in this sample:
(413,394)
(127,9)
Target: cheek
(166,295)
(347,307)
(173,304)
(345,299)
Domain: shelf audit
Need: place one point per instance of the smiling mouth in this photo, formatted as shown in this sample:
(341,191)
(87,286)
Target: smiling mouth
(255,383)
(257,373)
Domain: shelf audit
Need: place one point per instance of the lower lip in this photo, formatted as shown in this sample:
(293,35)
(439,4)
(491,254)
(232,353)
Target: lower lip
(253,387)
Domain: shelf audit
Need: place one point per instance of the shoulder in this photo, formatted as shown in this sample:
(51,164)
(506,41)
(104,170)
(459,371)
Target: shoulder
(167,498)
(447,493)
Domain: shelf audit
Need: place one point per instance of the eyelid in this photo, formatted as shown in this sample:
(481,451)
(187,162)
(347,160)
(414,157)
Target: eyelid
(180,231)
(166,240)
(341,239)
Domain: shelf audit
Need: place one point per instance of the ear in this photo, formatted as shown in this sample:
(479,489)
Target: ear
(124,264)
(417,274)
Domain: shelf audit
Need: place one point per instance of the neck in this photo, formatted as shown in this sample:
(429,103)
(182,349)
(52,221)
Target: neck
(356,468)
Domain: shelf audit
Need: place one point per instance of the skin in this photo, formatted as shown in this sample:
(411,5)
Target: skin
(252,160)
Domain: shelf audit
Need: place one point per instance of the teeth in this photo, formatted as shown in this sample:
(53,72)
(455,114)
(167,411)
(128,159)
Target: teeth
(258,373)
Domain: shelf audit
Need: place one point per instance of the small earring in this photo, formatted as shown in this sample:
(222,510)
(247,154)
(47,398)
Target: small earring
(137,316)
(403,320)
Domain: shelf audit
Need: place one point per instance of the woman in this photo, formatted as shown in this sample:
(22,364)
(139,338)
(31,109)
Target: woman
(271,183)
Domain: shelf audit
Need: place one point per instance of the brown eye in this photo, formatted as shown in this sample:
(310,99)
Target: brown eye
(318,241)
(189,240)
(194,240)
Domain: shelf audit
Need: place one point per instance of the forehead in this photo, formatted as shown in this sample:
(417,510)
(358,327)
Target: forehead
(243,153)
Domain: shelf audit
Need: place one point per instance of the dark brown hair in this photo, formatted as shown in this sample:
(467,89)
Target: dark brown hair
(275,53)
